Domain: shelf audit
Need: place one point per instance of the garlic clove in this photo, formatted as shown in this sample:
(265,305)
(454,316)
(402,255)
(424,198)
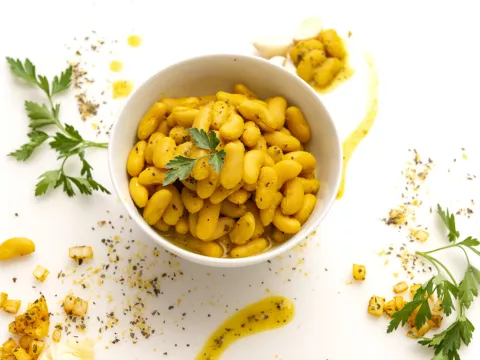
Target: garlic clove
(309,28)
(269,47)
(278,60)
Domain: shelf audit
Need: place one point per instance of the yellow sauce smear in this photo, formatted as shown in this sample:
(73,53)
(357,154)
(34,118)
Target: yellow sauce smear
(134,40)
(116,66)
(343,75)
(267,314)
(353,140)
(122,88)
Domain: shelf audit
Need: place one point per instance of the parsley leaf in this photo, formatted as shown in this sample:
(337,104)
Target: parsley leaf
(467,288)
(217,159)
(445,291)
(449,221)
(39,115)
(43,84)
(64,144)
(63,83)
(26,72)
(48,180)
(181,167)
(37,138)
(401,316)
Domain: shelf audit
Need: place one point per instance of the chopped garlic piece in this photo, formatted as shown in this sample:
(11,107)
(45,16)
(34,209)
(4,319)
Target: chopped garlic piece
(40,273)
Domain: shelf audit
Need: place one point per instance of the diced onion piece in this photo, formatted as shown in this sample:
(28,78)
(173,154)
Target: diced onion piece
(9,345)
(25,342)
(21,354)
(80,307)
(400,287)
(12,306)
(69,303)
(57,335)
(3,298)
(80,252)
(375,306)
(359,272)
(40,273)
(36,348)
(389,308)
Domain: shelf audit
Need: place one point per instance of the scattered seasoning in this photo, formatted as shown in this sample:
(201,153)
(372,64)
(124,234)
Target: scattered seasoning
(14,280)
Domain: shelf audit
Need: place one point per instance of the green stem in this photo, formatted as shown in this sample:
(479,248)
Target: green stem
(433,261)
(88,144)
(442,248)
(466,255)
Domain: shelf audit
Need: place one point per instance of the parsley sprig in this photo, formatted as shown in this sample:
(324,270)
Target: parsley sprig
(180,167)
(447,343)
(67,141)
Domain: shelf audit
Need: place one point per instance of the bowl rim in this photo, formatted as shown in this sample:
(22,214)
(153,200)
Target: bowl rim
(201,259)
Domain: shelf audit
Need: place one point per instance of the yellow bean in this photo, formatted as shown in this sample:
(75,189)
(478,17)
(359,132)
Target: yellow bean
(303,47)
(251,133)
(191,200)
(253,162)
(138,192)
(179,134)
(150,121)
(242,89)
(266,187)
(304,158)
(250,187)
(251,248)
(259,229)
(136,158)
(222,143)
(205,99)
(164,152)
(297,124)
(310,186)
(276,153)
(192,224)
(207,220)
(181,226)
(160,225)
(202,168)
(333,43)
(278,236)
(243,229)
(190,183)
(268,160)
(224,225)
(183,116)
(231,99)
(189,102)
(261,115)
(285,223)
(203,119)
(309,63)
(151,144)
(286,170)
(211,249)
(164,128)
(260,102)
(277,106)
(152,176)
(156,206)
(285,142)
(266,215)
(293,196)
(15,247)
(206,187)
(285,131)
(239,196)
(232,170)
(232,210)
(325,74)
(184,149)
(260,145)
(232,129)
(303,214)
(220,111)
(171,122)
(174,210)
(221,193)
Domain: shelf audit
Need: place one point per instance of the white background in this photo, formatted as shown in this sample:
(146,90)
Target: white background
(427,58)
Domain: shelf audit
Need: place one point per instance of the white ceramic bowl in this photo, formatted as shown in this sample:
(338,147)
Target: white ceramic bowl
(207,75)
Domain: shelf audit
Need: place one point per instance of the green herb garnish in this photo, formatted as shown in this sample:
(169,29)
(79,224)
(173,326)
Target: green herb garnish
(181,166)
(447,343)
(67,142)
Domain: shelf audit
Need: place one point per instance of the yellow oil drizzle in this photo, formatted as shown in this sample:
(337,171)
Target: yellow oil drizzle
(116,66)
(267,314)
(353,140)
(122,88)
(134,40)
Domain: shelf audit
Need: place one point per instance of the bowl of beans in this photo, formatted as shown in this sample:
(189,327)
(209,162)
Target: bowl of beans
(225,160)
